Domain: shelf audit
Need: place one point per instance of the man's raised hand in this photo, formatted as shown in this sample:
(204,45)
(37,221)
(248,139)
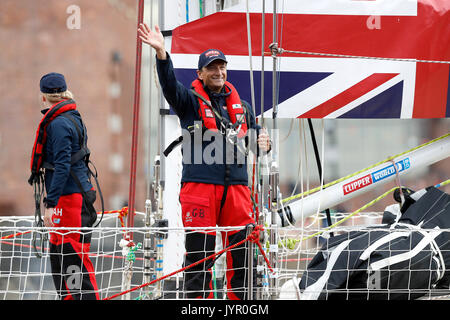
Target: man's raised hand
(154,38)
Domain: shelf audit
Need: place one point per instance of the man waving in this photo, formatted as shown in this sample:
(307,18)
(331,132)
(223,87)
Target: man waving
(214,191)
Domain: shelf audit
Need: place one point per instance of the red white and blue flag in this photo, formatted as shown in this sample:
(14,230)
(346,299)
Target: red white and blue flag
(313,86)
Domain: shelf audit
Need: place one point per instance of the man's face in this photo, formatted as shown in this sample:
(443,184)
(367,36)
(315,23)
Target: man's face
(214,75)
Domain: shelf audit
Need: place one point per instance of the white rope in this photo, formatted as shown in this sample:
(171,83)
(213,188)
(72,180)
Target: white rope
(299,170)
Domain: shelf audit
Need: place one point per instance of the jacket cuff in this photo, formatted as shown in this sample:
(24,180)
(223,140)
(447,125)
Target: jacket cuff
(49,204)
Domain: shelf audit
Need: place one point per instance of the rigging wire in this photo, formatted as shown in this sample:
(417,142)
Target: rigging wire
(279,58)
(250,56)
(263,29)
(334,55)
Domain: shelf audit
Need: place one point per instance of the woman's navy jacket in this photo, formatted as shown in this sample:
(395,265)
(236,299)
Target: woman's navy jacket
(62,142)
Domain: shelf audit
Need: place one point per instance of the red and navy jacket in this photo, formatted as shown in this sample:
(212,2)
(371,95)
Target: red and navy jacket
(187,106)
(62,142)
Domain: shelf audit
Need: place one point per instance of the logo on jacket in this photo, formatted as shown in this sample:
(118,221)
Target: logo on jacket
(188,217)
(208,113)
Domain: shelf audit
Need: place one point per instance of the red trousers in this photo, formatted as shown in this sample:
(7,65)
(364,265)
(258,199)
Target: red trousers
(200,203)
(72,270)
(201,207)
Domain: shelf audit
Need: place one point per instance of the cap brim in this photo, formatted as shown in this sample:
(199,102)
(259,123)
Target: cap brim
(214,59)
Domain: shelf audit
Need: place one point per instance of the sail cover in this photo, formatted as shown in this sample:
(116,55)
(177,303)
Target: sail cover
(383,81)
(402,260)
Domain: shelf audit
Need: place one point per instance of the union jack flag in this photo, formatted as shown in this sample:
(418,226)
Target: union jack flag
(393,72)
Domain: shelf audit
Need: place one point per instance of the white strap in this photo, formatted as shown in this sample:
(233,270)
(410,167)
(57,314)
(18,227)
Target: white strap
(427,239)
(313,291)
(391,236)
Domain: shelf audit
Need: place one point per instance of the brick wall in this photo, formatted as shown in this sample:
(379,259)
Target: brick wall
(34,40)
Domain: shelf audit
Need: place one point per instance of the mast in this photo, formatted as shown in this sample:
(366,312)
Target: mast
(274,170)
(162,113)
(158,220)
(127,242)
(261,162)
(252,92)
(135,134)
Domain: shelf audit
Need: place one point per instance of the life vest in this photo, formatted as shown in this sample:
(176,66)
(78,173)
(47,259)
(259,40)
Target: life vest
(41,135)
(236,111)
(208,115)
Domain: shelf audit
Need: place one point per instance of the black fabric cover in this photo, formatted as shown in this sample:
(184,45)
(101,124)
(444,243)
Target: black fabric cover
(351,276)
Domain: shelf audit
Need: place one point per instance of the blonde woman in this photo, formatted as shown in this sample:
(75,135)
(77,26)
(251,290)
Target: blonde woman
(60,148)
